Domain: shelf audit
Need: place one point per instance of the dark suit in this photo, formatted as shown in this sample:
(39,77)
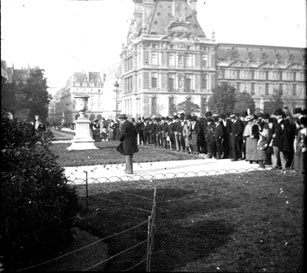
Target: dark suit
(219,131)
(236,139)
(128,146)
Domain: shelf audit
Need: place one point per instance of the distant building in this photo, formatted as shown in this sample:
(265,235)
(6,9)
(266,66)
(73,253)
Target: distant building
(111,96)
(168,60)
(263,70)
(62,108)
(4,72)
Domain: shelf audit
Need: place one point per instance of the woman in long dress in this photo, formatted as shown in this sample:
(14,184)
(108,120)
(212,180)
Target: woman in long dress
(300,147)
(251,134)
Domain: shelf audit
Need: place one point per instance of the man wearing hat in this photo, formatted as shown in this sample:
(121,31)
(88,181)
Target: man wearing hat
(128,139)
(219,132)
(236,133)
(210,138)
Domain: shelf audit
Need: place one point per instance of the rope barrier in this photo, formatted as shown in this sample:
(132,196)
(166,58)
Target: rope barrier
(117,254)
(139,196)
(125,205)
(82,248)
(127,269)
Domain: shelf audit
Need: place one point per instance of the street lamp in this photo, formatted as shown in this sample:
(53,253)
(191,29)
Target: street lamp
(116,85)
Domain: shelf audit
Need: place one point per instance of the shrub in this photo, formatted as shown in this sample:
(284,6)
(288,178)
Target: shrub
(37,204)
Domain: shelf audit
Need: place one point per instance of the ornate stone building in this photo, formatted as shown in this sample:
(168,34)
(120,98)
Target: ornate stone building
(168,60)
(62,108)
(262,71)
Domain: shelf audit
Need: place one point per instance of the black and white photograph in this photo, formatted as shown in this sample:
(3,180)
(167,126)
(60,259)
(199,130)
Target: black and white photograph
(153,135)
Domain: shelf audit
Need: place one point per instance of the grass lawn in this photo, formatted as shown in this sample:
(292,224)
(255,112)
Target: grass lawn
(107,154)
(249,222)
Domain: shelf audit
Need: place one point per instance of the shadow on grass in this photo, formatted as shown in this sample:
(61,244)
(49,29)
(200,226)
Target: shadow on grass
(178,240)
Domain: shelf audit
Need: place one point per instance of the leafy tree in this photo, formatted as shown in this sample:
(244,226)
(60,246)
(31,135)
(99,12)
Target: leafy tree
(9,98)
(36,94)
(223,99)
(243,102)
(274,103)
(37,205)
(188,107)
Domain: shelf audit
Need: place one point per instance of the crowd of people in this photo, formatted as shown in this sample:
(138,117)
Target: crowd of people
(278,140)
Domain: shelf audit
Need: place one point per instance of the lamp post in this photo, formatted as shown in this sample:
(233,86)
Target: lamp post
(116,85)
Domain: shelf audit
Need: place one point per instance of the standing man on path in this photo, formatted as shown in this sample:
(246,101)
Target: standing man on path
(128,139)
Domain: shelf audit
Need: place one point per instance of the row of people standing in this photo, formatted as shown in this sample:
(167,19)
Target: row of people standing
(191,134)
(267,140)
(262,139)
(105,130)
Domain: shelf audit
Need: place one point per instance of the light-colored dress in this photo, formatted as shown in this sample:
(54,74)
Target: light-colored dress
(262,146)
(250,143)
(298,159)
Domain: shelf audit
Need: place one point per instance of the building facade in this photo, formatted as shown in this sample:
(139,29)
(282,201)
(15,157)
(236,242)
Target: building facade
(62,107)
(263,71)
(168,61)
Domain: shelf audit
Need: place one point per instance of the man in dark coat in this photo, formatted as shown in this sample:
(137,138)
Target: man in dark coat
(140,127)
(236,137)
(128,139)
(219,132)
(210,138)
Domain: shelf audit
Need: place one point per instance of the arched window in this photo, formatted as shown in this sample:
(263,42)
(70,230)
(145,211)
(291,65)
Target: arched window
(99,117)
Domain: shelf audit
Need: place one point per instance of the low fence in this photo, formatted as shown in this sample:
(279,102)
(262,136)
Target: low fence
(88,184)
(89,187)
(148,242)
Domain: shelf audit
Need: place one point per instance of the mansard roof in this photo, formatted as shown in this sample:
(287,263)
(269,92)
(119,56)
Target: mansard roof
(83,76)
(163,20)
(260,54)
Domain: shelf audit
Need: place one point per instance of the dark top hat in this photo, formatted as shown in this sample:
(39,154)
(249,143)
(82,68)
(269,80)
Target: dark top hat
(122,116)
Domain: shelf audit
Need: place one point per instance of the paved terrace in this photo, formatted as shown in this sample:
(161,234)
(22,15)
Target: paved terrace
(156,170)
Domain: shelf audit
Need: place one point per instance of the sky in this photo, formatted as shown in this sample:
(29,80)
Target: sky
(64,36)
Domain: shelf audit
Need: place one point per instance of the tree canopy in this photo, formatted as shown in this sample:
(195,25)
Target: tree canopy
(274,103)
(243,102)
(188,107)
(222,100)
(36,94)
(26,98)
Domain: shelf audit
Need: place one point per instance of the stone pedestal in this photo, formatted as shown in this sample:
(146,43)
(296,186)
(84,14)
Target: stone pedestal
(82,139)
